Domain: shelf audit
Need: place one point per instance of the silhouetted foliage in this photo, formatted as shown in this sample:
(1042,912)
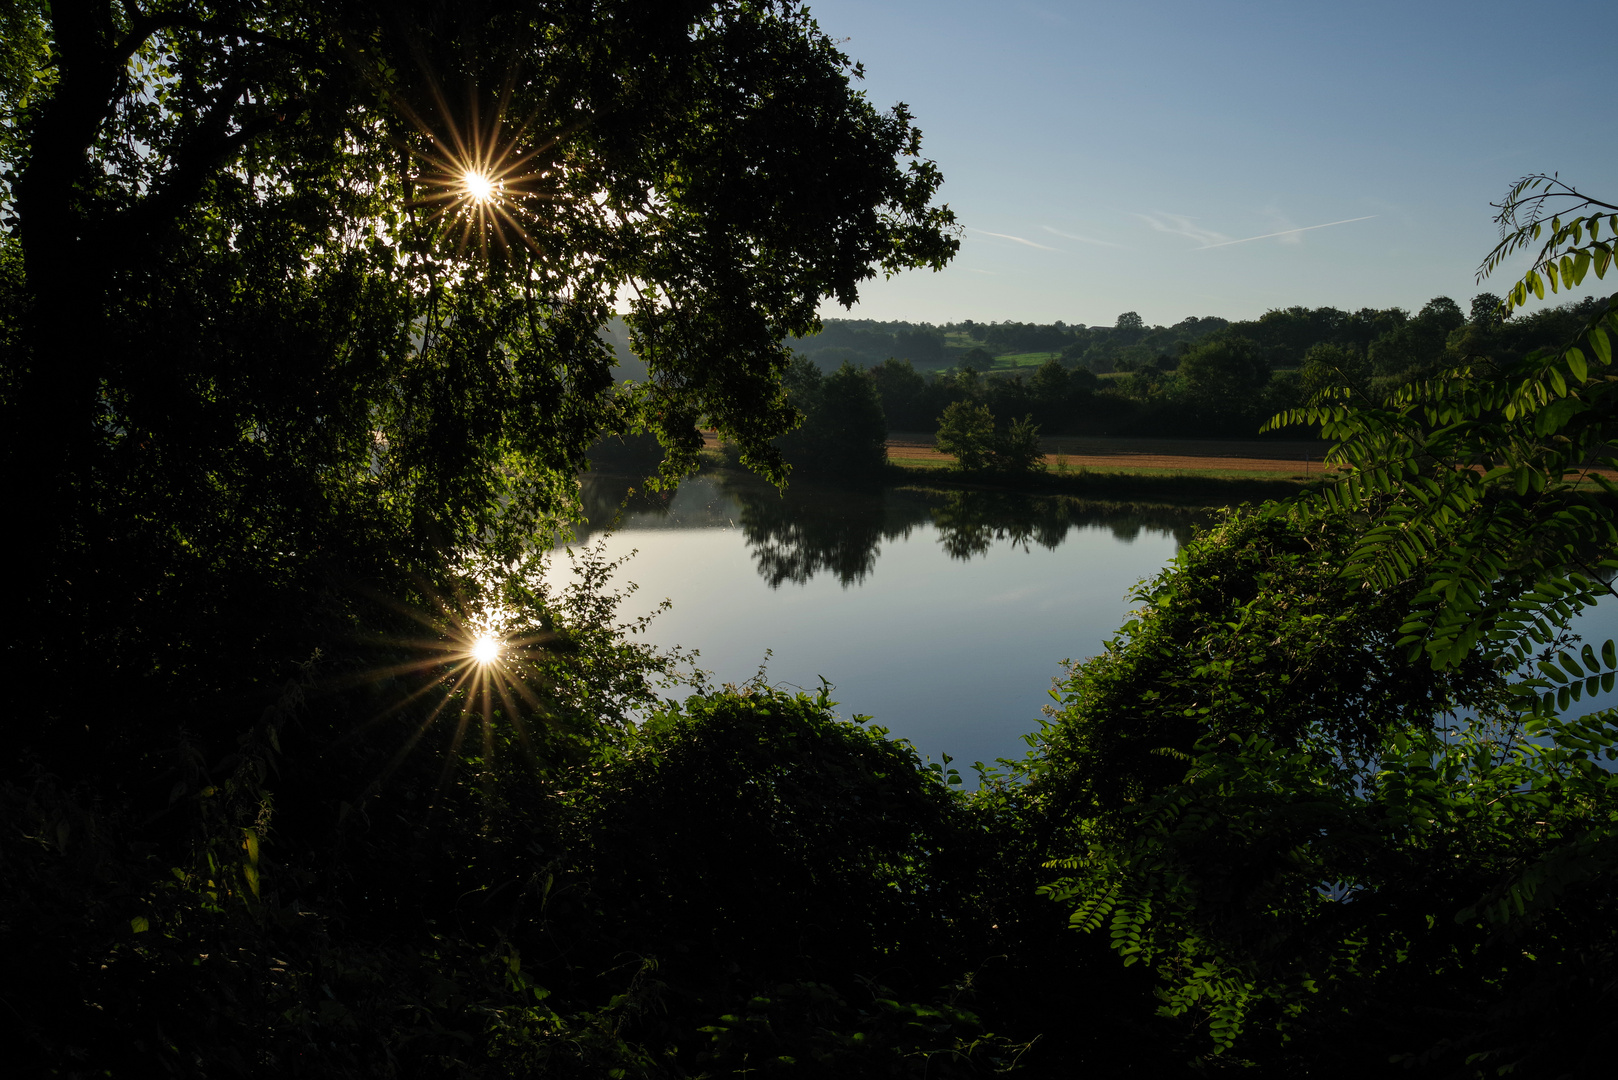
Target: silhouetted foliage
(844,432)
(1330,780)
(252,377)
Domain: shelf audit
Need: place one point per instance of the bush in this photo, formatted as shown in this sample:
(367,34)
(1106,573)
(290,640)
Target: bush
(968,431)
(1017,449)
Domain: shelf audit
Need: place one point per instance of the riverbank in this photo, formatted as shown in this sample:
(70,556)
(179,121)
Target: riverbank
(1179,472)
(1300,459)
(1142,484)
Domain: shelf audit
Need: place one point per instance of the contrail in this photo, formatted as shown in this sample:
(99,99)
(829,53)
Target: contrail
(1180,225)
(1287,232)
(1008,236)
(1080,239)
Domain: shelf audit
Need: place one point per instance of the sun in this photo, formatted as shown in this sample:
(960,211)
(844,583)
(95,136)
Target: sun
(485,649)
(485,175)
(479,187)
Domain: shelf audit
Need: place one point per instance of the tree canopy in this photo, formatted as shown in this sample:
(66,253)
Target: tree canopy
(301,295)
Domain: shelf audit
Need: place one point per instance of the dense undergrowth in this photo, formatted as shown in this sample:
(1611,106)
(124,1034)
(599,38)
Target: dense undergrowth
(738,883)
(746,883)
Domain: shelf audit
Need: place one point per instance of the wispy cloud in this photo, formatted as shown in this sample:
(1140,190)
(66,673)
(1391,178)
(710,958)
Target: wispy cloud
(1045,15)
(1016,239)
(1290,232)
(1180,225)
(1080,239)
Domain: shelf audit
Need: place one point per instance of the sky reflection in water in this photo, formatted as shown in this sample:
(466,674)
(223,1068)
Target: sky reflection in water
(943,615)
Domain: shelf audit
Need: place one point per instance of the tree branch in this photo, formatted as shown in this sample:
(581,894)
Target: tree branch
(197,158)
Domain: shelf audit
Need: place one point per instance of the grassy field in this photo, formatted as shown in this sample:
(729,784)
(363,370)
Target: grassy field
(1023,360)
(934,464)
(1155,470)
(1189,487)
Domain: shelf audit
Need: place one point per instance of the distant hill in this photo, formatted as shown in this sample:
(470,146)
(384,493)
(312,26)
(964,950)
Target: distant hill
(866,343)
(1391,340)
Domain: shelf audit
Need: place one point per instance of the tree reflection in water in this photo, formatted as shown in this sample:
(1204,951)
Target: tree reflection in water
(817,529)
(970,522)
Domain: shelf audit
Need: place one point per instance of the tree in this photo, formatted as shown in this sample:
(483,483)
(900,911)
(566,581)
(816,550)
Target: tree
(1222,377)
(900,387)
(303,298)
(1051,385)
(1327,365)
(1442,314)
(966,430)
(859,431)
(1016,449)
(1058,393)
(1486,310)
(1219,762)
(1331,779)
(844,432)
(1418,344)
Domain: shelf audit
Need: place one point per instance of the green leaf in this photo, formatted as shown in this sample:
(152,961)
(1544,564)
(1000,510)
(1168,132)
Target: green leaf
(139,924)
(1601,345)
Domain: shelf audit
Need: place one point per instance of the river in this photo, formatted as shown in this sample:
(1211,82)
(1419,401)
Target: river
(944,615)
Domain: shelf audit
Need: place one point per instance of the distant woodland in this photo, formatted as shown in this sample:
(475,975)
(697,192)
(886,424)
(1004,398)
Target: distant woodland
(859,379)
(1202,376)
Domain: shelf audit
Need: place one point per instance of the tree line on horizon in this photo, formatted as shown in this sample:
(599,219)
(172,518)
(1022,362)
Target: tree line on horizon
(1201,377)
(1392,340)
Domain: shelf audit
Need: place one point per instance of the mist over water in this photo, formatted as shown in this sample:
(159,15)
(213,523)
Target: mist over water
(943,615)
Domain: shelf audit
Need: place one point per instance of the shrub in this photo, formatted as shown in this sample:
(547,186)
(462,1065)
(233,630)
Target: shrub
(968,431)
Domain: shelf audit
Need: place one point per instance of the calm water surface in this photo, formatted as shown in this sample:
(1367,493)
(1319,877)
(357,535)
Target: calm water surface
(942,615)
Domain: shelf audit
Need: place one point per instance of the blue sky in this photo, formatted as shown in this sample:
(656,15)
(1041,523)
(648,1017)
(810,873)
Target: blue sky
(1095,152)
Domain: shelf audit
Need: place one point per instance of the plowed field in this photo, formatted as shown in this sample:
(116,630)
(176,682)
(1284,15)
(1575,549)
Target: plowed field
(1121,454)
